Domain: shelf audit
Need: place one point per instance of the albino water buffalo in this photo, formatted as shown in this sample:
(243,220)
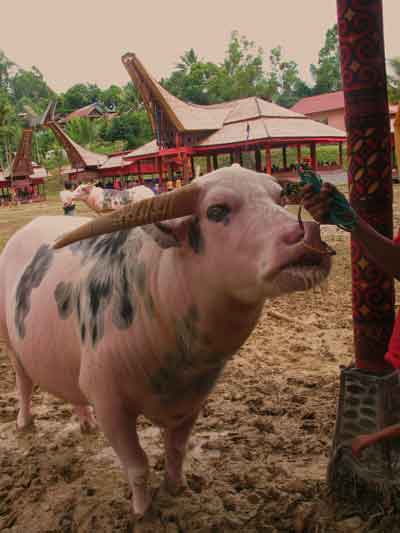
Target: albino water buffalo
(104,200)
(142,320)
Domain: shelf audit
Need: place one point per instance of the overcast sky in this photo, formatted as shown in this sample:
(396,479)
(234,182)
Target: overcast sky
(73,41)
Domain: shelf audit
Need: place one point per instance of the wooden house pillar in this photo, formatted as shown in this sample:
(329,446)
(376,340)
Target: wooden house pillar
(299,154)
(313,154)
(257,154)
(160,173)
(215,161)
(341,154)
(268,160)
(209,168)
(139,171)
(284,157)
(192,166)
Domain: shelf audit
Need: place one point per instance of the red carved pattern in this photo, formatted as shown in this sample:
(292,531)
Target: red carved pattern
(367,120)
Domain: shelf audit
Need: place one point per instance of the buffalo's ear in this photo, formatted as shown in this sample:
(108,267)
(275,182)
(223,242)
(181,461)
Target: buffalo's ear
(184,230)
(176,228)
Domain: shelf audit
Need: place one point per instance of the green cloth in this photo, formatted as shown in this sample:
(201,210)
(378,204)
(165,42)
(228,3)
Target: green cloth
(341,213)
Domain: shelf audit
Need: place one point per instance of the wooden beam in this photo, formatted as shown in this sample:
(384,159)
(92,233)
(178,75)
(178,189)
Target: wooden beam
(313,154)
(268,160)
(257,155)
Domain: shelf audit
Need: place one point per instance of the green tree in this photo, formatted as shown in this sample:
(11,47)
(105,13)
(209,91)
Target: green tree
(5,70)
(286,85)
(240,75)
(394,80)
(79,95)
(243,70)
(187,60)
(326,74)
(8,128)
(131,101)
(83,130)
(112,98)
(133,127)
(29,87)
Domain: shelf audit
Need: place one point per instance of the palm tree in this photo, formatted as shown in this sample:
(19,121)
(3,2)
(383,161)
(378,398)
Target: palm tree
(188,59)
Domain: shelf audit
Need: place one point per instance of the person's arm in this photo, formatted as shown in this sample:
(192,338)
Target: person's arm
(380,249)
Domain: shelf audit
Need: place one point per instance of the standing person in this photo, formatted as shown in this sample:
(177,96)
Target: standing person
(66,199)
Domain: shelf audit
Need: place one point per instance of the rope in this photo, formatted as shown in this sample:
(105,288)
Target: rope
(341,214)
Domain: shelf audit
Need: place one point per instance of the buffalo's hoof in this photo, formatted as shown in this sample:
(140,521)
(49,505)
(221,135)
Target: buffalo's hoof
(25,423)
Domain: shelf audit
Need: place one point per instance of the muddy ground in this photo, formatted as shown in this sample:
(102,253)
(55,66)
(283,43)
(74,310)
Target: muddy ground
(258,456)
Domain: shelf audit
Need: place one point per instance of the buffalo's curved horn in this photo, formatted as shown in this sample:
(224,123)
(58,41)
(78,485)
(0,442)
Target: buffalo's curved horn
(166,206)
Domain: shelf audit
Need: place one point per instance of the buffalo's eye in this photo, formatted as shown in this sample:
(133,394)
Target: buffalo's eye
(218,213)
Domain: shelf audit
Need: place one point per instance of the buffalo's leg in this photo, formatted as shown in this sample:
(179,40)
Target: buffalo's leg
(24,390)
(119,427)
(87,421)
(175,442)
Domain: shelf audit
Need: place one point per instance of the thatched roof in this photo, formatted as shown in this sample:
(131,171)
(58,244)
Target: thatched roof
(238,121)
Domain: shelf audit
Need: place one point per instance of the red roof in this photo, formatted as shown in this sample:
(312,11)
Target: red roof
(320,103)
(326,102)
(84,111)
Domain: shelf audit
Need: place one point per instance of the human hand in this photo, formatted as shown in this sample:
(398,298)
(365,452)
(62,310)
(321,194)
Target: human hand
(318,204)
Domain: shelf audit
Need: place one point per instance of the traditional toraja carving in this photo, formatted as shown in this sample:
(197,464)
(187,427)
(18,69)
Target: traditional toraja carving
(22,164)
(367,120)
(367,402)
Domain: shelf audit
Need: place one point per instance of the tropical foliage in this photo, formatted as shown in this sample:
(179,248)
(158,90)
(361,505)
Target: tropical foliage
(245,71)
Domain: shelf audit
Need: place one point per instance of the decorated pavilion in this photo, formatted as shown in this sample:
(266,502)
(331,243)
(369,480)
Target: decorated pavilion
(252,126)
(189,136)
(24,180)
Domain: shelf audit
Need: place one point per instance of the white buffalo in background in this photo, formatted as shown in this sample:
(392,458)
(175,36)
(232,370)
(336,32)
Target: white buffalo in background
(142,308)
(104,200)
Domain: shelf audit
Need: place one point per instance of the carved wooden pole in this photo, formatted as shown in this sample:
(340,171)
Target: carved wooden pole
(362,57)
(215,161)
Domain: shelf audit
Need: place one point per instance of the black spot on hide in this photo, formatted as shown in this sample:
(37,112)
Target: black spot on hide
(63,295)
(108,248)
(162,235)
(112,274)
(190,369)
(124,308)
(83,332)
(195,237)
(31,278)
